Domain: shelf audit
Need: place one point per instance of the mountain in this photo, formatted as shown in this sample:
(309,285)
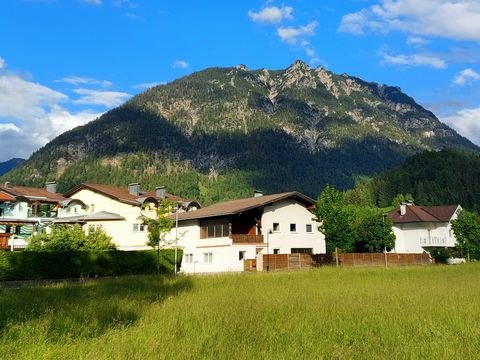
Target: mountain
(222,132)
(8,165)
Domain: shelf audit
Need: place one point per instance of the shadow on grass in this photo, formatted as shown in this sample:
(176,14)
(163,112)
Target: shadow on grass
(73,311)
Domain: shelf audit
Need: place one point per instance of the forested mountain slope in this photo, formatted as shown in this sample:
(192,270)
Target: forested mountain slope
(222,132)
(433,178)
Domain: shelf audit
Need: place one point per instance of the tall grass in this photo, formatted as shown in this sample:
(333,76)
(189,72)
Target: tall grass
(414,313)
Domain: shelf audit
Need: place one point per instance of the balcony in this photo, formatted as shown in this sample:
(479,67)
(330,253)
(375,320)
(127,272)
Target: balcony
(247,239)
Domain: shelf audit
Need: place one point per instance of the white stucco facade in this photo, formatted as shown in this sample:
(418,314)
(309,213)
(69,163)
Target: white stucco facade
(222,254)
(423,236)
(288,214)
(123,232)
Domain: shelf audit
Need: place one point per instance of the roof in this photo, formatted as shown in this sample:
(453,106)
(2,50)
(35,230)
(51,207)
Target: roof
(416,213)
(6,197)
(31,193)
(13,221)
(234,207)
(100,216)
(121,194)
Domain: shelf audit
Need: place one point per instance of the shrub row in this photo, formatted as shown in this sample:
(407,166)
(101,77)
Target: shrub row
(32,265)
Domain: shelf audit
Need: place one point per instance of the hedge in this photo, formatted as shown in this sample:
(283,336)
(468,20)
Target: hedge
(32,265)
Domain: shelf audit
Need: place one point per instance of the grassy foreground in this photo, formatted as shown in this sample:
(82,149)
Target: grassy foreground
(415,313)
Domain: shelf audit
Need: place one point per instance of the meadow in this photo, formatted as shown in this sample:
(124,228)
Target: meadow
(429,312)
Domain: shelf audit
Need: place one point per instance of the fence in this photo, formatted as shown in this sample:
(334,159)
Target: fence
(306,261)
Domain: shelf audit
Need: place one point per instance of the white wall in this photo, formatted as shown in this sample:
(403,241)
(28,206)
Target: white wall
(121,231)
(290,212)
(17,210)
(420,237)
(225,255)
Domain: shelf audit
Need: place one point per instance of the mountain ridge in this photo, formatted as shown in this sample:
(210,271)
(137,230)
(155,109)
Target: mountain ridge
(223,128)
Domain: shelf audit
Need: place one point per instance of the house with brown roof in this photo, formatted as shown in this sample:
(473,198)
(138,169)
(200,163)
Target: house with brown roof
(224,236)
(120,211)
(25,210)
(423,228)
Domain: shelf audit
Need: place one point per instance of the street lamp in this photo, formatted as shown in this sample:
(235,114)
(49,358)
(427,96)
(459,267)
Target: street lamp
(176,237)
(268,248)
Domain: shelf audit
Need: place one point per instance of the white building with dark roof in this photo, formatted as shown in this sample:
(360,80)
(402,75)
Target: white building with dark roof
(224,236)
(423,228)
(120,211)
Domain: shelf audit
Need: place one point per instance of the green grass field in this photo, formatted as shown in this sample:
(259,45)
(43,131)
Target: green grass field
(430,312)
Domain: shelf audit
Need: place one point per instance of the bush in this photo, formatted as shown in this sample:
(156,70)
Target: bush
(31,265)
(70,238)
(441,255)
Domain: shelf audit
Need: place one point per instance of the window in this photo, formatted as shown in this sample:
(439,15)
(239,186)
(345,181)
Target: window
(214,228)
(93,227)
(241,255)
(276,251)
(276,227)
(92,208)
(308,228)
(18,229)
(189,258)
(301,250)
(207,258)
(138,227)
(293,227)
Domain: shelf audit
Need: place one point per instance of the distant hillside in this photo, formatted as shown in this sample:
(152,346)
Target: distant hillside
(433,178)
(8,165)
(222,132)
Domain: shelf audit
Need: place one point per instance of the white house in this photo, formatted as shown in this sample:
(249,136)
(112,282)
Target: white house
(220,237)
(422,228)
(120,211)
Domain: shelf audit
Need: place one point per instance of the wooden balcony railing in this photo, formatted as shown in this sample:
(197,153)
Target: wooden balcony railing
(247,239)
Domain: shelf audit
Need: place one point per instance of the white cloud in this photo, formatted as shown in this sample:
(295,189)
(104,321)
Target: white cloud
(466,122)
(93,2)
(21,99)
(31,115)
(104,98)
(417,41)
(182,64)
(81,80)
(126,3)
(453,19)
(271,14)
(292,34)
(9,127)
(2,63)
(414,60)
(148,85)
(466,76)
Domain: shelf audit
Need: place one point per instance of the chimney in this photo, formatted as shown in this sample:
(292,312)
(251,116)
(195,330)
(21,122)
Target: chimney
(51,187)
(160,192)
(134,189)
(403,209)
(257,193)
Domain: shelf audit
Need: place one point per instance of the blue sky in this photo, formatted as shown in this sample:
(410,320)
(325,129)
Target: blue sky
(65,62)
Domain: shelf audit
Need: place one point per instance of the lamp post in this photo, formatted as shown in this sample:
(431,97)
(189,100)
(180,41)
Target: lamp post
(384,245)
(176,237)
(268,249)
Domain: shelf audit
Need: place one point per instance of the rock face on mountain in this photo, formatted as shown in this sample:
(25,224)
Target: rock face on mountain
(221,132)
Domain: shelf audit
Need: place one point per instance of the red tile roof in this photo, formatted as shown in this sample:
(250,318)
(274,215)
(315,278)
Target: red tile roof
(416,213)
(32,193)
(120,193)
(233,207)
(6,197)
